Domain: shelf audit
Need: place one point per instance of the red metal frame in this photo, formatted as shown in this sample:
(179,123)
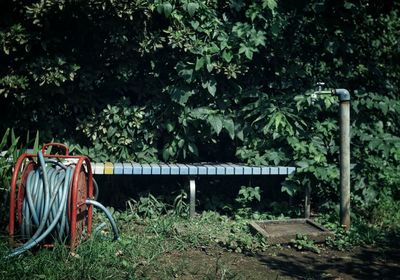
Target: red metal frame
(74,205)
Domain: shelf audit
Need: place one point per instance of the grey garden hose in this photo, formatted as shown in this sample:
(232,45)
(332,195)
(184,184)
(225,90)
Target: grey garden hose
(108,214)
(45,204)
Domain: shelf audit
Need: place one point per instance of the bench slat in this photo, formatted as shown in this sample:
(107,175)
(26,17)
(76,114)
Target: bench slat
(256,170)
(201,170)
(146,169)
(291,169)
(237,169)
(192,169)
(274,170)
(247,170)
(220,169)
(98,168)
(165,169)
(155,169)
(211,169)
(174,169)
(265,170)
(229,170)
(108,168)
(128,169)
(183,169)
(137,169)
(118,168)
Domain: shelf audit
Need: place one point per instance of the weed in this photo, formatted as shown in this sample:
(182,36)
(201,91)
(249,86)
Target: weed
(162,227)
(302,243)
(246,198)
(10,149)
(248,194)
(221,272)
(180,206)
(149,207)
(386,214)
(361,232)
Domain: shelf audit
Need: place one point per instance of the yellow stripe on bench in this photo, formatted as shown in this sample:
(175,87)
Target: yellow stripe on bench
(108,168)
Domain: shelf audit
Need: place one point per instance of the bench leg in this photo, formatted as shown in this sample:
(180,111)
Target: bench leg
(307,203)
(192,189)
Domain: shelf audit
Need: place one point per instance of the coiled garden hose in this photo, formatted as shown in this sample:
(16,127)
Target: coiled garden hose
(45,204)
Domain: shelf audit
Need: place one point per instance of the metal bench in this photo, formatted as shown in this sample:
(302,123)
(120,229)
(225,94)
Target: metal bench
(191,171)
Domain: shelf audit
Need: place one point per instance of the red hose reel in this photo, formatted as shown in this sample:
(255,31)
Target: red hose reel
(81,188)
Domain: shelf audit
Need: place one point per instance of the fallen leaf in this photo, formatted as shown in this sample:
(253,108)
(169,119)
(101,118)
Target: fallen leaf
(74,255)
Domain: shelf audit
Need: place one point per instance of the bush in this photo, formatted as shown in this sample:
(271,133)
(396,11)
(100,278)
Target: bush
(210,81)
(122,132)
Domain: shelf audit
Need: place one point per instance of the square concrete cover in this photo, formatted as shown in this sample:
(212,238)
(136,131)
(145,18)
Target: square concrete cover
(277,231)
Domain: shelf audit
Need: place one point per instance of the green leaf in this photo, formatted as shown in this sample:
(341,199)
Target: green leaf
(36,143)
(240,135)
(248,53)
(170,126)
(192,8)
(302,164)
(125,263)
(193,149)
(180,96)
(230,127)
(212,87)
(12,136)
(4,139)
(242,48)
(348,5)
(160,9)
(110,132)
(195,24)
(185,72)
(216,123)
(259,39)
(181,143)
(199,63)
(275,28)
(167,7)
(289,188)
(271,4)
(165,154)
(213,49)
(227,56)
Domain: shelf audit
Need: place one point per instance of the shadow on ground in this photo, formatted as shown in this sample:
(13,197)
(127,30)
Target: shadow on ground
(362,263)
(278,263)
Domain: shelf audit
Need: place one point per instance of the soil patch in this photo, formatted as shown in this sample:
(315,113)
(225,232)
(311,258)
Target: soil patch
(279,263)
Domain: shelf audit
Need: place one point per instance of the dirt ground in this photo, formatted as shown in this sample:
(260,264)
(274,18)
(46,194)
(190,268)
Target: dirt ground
(280,263)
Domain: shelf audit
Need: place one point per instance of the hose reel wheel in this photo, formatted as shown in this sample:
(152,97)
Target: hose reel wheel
(31,197)
(54,200)
(82,209)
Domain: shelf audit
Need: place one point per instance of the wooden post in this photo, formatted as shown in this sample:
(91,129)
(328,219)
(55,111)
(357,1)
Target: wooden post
(307,202)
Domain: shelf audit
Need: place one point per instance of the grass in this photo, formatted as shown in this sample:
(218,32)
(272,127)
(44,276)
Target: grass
(165,244)
(137,254)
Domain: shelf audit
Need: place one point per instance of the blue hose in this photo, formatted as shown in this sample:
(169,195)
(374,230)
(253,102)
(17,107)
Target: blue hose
(46,202)
(108,214)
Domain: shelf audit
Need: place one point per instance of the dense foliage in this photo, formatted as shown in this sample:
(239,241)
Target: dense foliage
(192,80)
